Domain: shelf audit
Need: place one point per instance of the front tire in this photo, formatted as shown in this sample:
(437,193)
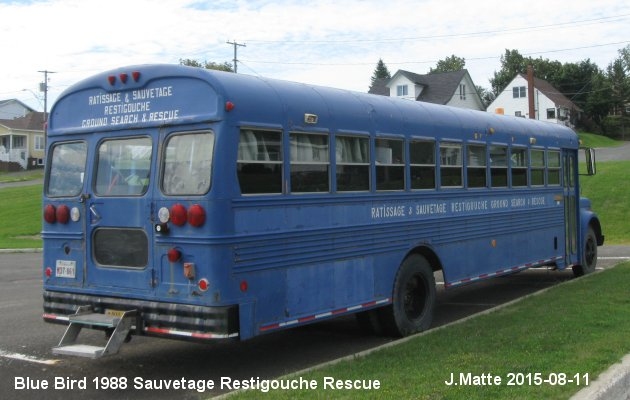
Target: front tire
(589,256)
(413,298)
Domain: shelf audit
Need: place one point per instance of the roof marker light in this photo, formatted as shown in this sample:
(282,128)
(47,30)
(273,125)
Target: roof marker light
(123,77)
(135,75)
(111,79)
(229,106)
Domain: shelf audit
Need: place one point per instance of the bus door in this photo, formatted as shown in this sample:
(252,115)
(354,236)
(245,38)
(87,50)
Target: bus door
(571,199)
(118,215)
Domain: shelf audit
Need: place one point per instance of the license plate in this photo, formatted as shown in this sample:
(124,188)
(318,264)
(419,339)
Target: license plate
(66,269)
(114,313)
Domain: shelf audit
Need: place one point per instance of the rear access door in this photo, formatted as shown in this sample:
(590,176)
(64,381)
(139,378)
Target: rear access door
(118,215)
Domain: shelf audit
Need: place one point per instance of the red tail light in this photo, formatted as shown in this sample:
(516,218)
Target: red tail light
(63,214)
(178,214)
(50,214)
(196,215)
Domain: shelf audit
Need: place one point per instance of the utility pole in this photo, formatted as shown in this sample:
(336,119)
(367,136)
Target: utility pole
(43,87)
(235,44)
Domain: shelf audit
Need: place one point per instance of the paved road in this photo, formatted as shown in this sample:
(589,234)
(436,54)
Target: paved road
(25,340)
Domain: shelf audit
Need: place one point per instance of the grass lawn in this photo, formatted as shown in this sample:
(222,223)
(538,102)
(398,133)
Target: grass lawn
(592,140)
(577,329)
(21,216)
(608,191)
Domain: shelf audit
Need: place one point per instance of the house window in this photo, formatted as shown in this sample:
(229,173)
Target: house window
(462,91)
(39,143)
(402,90)
(551,113)
(19,142)
(518,92)
(518,114)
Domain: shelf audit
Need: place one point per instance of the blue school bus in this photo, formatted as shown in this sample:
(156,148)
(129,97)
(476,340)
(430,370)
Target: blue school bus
(186,203)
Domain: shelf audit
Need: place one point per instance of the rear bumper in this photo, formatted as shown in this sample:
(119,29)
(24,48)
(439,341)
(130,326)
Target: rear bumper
(154,318)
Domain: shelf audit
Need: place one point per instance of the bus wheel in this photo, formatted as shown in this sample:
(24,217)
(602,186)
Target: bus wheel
(413,300)
(589,257)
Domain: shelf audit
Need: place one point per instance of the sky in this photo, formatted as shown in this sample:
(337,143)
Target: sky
(325,42)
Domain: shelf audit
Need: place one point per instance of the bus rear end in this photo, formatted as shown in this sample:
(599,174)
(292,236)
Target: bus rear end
(130,221)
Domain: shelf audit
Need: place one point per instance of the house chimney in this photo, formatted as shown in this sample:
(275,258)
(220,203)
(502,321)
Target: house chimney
(530,91)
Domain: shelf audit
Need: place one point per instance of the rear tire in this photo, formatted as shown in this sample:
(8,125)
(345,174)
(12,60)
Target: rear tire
(413,299)
(589,256)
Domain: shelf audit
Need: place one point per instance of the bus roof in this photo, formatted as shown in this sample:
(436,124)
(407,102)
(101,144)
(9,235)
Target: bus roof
(156,95)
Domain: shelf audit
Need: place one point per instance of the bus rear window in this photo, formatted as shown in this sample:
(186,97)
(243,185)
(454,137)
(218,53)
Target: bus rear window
(188,164)
(67,169)
(123,167)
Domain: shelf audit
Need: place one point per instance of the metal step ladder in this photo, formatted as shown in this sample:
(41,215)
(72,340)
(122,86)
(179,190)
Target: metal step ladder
(85,317)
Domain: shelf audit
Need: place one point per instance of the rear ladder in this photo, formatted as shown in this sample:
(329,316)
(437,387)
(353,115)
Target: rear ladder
(85,317)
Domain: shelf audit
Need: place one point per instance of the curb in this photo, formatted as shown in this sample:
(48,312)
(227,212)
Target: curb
(614,383)
(38,250)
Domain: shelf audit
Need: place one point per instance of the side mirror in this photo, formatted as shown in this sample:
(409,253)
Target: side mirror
(591,168)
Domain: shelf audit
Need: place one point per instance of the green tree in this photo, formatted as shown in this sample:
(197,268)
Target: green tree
(380,72)
(207,65)
(449,64)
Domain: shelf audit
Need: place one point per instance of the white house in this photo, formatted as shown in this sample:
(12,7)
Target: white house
(448,88)
(13,108)
(550,105)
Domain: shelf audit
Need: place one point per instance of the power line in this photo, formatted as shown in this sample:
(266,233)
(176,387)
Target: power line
(434,61)
(456,35)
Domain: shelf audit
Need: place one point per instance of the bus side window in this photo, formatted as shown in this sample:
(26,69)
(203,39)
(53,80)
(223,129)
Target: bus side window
(476,166)
(553,167)
(498,166)
(422,160)
(353,163)
(259,164)
(538,167)
(451,165)
(309,163)
(390,164)
(519,167)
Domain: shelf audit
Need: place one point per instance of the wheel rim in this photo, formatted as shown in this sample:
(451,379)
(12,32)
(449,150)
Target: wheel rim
(414,297)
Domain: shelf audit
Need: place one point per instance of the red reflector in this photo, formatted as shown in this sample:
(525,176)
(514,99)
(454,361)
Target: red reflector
(229,106)
(123,77)
(174,255)
(48,272)
(244,286)
(50,214)
(63,214)
(203,284)
(135,75)
(178,214)
(111,79)
(196,215)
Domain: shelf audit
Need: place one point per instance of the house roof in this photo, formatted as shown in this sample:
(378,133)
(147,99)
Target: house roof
(438,88)
(33,121)
(552,93)
(8,101)
(380,87)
